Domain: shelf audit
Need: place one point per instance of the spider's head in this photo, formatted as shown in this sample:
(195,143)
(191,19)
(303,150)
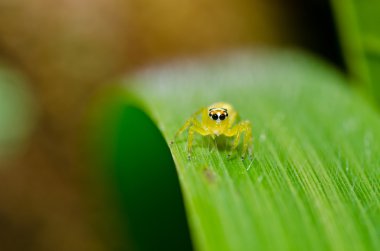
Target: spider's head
(218,114)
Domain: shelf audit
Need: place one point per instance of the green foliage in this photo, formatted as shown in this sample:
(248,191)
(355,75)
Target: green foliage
(16,111)
(313,183)
(358,22)
(142,178)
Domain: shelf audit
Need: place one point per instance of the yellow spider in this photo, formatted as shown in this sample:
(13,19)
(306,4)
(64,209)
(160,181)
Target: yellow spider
(216,120)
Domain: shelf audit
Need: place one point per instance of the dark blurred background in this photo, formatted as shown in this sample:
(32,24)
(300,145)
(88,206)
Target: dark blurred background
(68,51)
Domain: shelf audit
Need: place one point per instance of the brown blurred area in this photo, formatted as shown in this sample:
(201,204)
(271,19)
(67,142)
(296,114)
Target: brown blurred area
(71,49)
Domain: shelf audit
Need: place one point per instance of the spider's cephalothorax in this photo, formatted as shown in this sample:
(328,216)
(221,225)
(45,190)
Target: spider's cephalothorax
(218,119)
(218,114)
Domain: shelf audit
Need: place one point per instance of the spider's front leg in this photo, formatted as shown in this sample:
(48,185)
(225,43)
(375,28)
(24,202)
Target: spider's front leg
(242,127)
(191,121)
(194,126)
(187,124)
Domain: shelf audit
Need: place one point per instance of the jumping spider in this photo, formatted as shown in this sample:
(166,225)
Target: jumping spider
(216,120)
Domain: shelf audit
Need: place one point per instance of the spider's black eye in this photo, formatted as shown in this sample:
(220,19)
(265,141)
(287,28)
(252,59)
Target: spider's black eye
(215,116)
(210,114)
(226,114)
(222,117)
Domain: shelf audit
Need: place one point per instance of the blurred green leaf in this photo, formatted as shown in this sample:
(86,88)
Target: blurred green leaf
(137,167)
(358,23)
(16,111)
(313,183)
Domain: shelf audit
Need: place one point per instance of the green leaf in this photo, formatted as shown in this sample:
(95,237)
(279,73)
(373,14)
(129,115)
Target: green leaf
(17,113)
(313,182)
(358,25)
